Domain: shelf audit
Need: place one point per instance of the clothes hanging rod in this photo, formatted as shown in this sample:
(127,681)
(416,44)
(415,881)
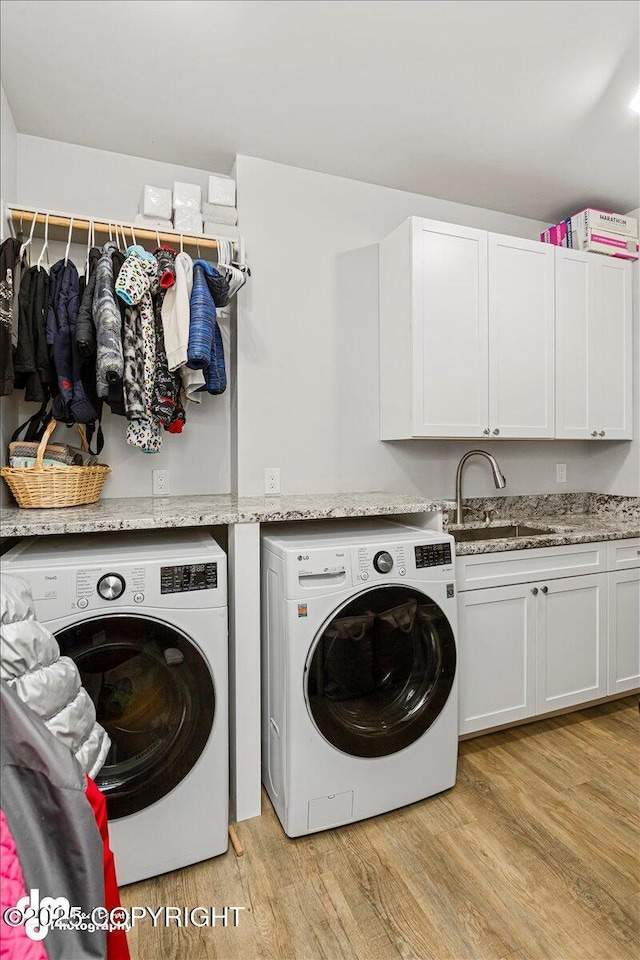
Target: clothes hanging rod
(25,216)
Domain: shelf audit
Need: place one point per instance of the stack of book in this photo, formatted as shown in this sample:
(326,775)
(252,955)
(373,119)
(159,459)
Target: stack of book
(596,231)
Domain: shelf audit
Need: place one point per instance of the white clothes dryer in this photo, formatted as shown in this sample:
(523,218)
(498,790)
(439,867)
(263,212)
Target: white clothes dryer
(144,616)
(360,711)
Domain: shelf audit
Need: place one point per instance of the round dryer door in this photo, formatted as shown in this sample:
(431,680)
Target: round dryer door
(381,671)
(154,695)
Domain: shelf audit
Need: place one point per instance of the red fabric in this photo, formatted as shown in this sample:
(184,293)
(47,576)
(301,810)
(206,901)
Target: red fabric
(15,944)
(117,947)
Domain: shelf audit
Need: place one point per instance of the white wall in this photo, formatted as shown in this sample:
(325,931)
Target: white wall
(63,176)
(9,156)
(8,188)
(615,467)
(308,344)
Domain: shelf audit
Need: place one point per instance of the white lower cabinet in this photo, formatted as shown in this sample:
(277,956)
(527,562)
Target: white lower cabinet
(497,656)
(624,631)
(533,647)
(571,641)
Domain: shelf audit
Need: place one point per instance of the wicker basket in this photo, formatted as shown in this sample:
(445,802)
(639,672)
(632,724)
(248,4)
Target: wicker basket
(41,486)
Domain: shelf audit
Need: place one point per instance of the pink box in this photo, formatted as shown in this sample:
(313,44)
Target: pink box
(610,244)
(559,235)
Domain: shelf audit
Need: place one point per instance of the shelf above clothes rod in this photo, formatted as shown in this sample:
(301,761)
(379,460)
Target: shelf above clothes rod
(59,229)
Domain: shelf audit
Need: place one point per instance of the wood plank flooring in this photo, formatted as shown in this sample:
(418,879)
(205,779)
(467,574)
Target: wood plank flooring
(533,855)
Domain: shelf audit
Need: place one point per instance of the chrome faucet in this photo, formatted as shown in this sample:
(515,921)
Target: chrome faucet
(498,478)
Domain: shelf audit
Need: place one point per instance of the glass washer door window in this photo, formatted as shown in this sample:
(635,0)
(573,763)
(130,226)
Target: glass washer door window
(154,695)
(381,671)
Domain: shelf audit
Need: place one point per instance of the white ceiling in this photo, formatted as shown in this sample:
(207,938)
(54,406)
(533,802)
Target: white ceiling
(516,105)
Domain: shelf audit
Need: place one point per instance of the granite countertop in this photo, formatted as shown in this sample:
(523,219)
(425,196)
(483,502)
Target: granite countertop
(565,518)
(150,513)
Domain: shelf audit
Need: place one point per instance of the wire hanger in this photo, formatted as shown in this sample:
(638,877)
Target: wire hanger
(27,242)
(66,252)
(45,245)
(86,265)
(181,244)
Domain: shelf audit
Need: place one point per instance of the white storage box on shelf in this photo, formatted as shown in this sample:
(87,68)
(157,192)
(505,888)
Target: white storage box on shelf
(222,190)
(223,230)
(187,221)
(152,223)
(155,202)
(219,213)
(188,196)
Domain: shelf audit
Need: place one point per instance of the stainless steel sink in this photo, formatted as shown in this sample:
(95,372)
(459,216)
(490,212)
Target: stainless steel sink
(497,533)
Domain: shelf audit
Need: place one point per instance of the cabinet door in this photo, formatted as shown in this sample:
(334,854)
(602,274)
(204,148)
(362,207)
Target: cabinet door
(497,647)
(571,641)
(624,631)
(450,334)
(611,348)
(573,394)
(521,337)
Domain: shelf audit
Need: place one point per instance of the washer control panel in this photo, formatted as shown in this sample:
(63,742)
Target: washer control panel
(379,561)
(188,577)
(433,555)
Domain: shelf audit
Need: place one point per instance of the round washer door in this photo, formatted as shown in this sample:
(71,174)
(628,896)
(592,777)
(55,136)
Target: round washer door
(154,695)
(381,671)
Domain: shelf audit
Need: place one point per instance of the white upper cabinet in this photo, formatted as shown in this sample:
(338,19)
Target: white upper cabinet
(521,338)
(483,335)
(433,331)
(593,347)
(451,300)
(466,334)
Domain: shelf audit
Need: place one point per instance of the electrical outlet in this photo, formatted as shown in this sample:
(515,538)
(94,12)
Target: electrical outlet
(161,483)
(271,480)
(561,473)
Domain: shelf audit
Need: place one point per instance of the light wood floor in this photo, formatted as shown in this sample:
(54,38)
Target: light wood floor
(533,855)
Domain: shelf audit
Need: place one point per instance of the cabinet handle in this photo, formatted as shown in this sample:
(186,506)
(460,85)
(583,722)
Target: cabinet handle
(601,434)
(594,433)
(534,591)
(545,589)
(486,431)
(496,432)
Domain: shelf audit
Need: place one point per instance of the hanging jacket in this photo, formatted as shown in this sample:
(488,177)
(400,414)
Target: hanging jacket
(108,324)
(203,317)
(9,256)
(166,405)
(32,364)
(206,351)
(133,377)
(115,391)
(175,312)
(218,285)
(19,267)
(53,828)
(71,403)
(49,684)
(136,281)
(85,327)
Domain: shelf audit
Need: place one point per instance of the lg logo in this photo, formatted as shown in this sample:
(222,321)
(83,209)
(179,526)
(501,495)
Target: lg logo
(303,556)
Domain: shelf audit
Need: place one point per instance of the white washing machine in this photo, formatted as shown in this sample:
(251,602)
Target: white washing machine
(144,616)
(360,706)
